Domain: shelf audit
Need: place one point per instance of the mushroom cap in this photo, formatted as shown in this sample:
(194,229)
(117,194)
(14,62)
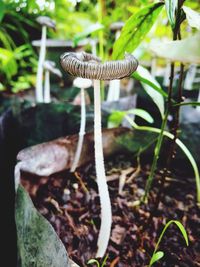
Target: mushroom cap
(46,21)
(51,67)
(82,83)
(88,66)
(116,26)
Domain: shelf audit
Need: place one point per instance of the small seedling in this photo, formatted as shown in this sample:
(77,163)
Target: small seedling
(158,254)
(94,261)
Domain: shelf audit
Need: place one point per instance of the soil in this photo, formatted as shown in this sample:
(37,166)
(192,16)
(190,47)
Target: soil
(70,202)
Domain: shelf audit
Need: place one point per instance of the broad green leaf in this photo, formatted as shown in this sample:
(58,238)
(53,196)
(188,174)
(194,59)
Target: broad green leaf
(171,7)
(142,75)
(92,29)
(157,98)
(135,29)
(116,118)
(8,62)
(192,17)
(156,257)
(2,10)
(187,50)
(38,243)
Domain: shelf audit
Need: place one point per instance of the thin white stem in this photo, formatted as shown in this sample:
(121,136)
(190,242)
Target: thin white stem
(39,93)
(114,90)
(114,85)
(106,213)
(94,48)
(81,132)
(47,95)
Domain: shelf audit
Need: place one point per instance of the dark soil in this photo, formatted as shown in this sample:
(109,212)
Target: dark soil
(70,202)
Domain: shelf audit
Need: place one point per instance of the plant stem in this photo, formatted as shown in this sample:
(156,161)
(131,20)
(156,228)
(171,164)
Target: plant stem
(179,143)
(39,78)
(106,213)
(175,110)
(47,96)
(81,132)
(155,158)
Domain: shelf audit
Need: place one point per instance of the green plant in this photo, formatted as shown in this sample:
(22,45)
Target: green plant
(116,118)
(94,261)
(135,30)
(158,254)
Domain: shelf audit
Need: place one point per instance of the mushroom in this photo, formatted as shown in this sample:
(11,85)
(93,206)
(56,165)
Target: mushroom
(88,66)
(116,27)
(114,86)
(82,84)
(49,67)
(45,22)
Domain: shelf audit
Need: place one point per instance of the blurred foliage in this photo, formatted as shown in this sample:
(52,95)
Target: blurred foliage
(73,18)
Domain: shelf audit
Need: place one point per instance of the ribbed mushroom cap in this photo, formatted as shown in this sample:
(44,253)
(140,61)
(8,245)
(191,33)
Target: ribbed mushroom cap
(116,26)
(88,66)
(46,21)
(50,66)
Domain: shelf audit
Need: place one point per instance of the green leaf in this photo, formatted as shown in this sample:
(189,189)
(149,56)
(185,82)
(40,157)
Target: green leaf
(8,63)
(116,118)
(2,10)
(192,17)
(156,257)
(92,29)
(194,104)
(142,114)
(186,51)
(38,243)
(183,231)
(92,261)
(142,75)
(171,7)
(135,29)
(2,88)
(155,95)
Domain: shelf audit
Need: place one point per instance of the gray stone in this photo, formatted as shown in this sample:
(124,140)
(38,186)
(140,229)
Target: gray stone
(38,244)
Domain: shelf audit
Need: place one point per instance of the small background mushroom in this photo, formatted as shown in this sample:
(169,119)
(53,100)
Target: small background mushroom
(49,67)
(82,84)
(114,85)
(45,22)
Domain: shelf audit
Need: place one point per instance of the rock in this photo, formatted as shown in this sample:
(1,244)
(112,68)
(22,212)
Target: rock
(38,243)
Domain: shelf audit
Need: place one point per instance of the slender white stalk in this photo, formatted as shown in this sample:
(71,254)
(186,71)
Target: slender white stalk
(81,132)
(39,93)
(106,213)
(114,90)
(47,95)
(117,34)
(94,47)
(114,85)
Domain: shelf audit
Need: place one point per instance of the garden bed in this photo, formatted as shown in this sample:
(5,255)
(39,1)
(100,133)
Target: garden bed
(70,203)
